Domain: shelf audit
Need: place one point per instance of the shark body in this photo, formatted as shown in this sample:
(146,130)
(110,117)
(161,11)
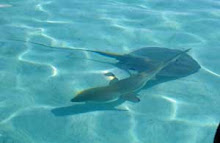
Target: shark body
(126,88)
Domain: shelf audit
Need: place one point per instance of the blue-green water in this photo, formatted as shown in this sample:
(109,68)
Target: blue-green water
(35,80)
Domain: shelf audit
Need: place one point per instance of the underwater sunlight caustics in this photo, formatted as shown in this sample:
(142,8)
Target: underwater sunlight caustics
(109,71)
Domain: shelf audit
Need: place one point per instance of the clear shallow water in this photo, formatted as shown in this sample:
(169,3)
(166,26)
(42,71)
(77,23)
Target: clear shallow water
(35,80)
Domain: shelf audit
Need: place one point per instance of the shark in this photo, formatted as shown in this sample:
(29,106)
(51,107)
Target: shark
(126,88)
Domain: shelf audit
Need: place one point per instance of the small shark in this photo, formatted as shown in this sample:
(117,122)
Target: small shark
(125,88)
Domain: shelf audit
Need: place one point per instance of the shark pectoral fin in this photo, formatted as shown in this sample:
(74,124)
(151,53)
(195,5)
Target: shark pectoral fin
(131,97)
(112,77)
(120,109)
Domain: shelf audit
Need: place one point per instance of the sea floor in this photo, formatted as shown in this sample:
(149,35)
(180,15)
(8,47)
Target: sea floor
(37,83)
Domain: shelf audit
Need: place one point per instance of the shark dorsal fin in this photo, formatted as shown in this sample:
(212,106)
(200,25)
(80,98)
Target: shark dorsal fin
(112,77)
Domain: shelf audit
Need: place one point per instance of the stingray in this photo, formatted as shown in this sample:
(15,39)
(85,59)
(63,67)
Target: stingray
(142,60)
(182,67)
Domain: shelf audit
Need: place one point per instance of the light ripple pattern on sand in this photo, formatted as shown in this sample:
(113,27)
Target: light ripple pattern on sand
(36,79)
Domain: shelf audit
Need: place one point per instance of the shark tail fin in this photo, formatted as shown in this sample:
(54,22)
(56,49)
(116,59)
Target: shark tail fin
(165,63)
(174,58)
(178,55)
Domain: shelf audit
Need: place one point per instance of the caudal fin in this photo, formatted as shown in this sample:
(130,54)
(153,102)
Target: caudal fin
(172,59)
(167,62)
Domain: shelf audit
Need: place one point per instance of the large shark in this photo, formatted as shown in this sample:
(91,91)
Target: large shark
(126,88)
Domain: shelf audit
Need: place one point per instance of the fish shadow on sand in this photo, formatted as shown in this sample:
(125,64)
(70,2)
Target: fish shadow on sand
(85,108)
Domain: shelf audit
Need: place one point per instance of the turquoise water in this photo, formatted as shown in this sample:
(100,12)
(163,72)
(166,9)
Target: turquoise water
(35,80)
